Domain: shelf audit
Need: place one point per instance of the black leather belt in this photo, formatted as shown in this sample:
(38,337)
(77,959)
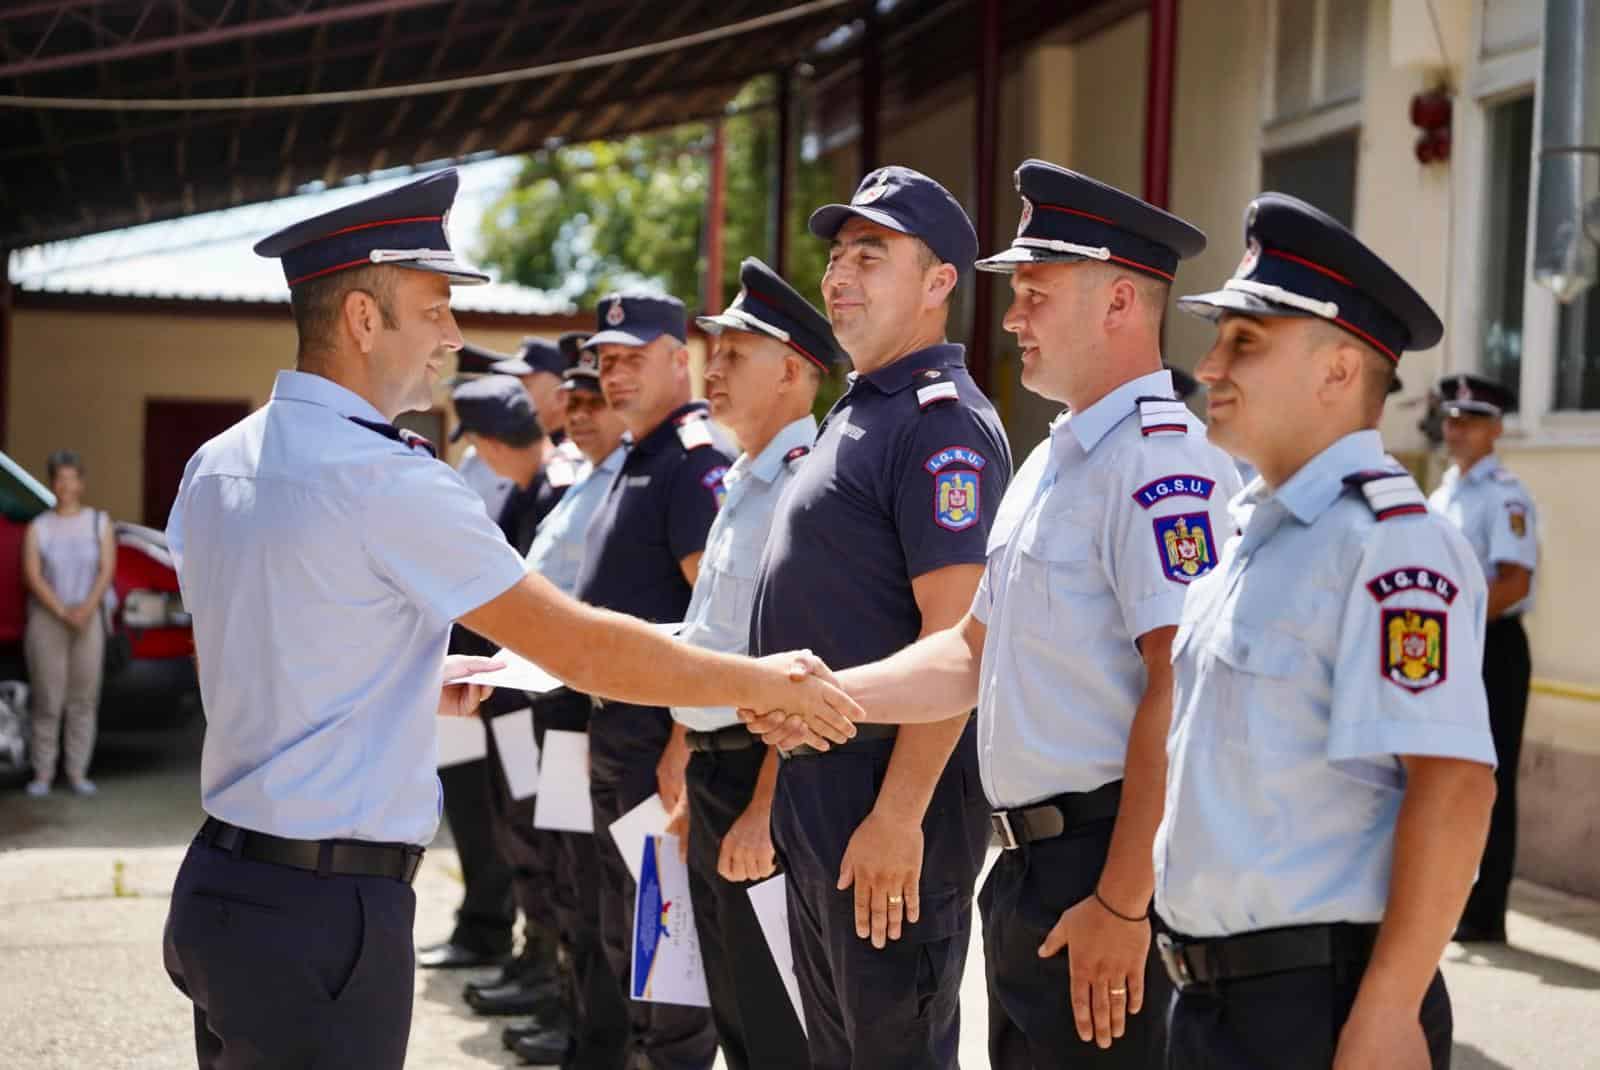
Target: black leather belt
(351,858)
(1194,963)
(1053,817)
(864,732)
(734,737)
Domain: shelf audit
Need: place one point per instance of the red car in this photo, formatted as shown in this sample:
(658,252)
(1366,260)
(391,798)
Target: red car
(155,685)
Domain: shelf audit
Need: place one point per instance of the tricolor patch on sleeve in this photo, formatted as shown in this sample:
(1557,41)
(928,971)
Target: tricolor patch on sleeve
(955,499)
(1413,647)
(1185,545)
(712,481)
(934,393)
(1163,416)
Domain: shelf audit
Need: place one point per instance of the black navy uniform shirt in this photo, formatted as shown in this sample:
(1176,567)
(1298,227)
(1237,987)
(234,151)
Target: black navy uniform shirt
(657,512)
(908,469)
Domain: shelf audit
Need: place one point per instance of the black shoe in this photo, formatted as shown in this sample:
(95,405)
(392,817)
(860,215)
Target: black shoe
(453,956)
(514,998)
(546,1048)
(518,971)
(1476,934)
(540,1023)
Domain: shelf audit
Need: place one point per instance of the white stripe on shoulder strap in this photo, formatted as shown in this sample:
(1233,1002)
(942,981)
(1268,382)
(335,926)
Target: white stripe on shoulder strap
(1163,416)
(936,392)
(1390,493)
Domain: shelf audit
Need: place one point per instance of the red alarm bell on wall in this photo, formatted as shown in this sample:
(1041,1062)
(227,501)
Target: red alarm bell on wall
(1430,113)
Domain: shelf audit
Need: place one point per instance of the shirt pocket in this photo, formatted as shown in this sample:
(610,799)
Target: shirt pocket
(733,560)
(1061,579)
(1253,681)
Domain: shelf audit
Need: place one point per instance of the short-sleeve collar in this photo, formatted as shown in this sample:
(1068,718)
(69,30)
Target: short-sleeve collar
(1094,423)
(1486,467)
(1320,482)
(667,428)
(766,464)
(893,378)
(319,390)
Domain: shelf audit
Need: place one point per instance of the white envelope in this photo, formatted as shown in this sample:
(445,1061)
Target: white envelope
(667,967)
(770,899)
(460,740)
(649,818)
(563,801)
(519,751)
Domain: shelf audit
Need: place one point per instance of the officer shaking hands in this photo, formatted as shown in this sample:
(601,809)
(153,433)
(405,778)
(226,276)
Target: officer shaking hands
(879,539)
(1330,773)
(1496,513)
(324,554)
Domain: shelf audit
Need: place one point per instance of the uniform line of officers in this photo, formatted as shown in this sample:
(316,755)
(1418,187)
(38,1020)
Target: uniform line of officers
(1235,741)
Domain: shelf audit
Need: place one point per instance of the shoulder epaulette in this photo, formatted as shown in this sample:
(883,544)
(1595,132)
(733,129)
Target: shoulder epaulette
(1504,475)
(1163,416)
(693,432)
(1389,492)
(406,437)
(934,393)
(792,458)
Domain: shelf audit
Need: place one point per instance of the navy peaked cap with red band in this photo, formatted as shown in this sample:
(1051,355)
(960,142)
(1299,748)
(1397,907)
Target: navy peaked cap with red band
(1067,217)
(637,319)
(535,355)
(912,203)
(476,359)
(768,305)
(571,345)
(497,406)
(404,227)
(584,374)
(1300,261)
(1464,394)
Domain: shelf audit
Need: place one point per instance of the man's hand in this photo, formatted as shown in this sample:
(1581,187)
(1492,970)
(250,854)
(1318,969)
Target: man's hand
(1106,959)
(747,853)
(1390,1037)
(884,862)
(785,728)
(804,705)
(678,825)
(461,700)
(672,768)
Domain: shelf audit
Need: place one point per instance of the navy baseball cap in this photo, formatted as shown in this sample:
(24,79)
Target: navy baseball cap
(768,305)
(912,203)
(495,405)
(637,319)
(1473,395)
(536,355)
(571,345)
(1300,261)
(584,375)
(476,359)
(404,227)
(1067,216)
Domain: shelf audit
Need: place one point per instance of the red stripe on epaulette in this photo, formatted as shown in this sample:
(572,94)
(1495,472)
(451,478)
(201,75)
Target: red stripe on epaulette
(1399,510)
(796,453)
(1164,429)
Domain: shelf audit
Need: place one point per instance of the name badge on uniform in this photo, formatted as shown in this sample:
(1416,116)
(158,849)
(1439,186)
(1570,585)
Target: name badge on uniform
(1186,546)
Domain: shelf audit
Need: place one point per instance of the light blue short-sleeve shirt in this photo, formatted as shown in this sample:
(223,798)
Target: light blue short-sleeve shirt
(1095,544)
(1497,515)
(1326,644)
(558,546)
(718,617)
(324,563)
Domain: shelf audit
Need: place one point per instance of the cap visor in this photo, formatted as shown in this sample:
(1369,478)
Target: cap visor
(1213,305)
(1006,260)
(458,273)
(826,221)
(621,338)
(513,366)
(735,320)
(1470,408)
(580,382)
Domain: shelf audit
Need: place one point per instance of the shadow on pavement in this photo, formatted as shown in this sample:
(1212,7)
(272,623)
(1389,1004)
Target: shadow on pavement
(1465,1057)
(444,987)
(1558,973)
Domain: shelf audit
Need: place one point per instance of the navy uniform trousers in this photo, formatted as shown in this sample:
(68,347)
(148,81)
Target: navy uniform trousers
(598,1015)
(755,1022)
(625,743)
(898,1008)
(1030,999)
(286,968)
(1284,1021)
(1507,669)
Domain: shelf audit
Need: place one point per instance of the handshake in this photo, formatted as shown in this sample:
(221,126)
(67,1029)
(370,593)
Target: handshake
(807,705)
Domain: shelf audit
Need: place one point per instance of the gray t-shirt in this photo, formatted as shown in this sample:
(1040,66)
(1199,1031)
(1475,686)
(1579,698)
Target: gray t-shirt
(69,550)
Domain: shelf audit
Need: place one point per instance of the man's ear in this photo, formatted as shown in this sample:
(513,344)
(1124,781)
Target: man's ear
(362,318)
(1122,302)
(1343,368)
(938,283)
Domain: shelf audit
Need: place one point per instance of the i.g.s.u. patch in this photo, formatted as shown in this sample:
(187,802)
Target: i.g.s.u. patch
(1517,517)
(1412,643)
(712,481)
(1185,545)
(956,494)
(1181,486)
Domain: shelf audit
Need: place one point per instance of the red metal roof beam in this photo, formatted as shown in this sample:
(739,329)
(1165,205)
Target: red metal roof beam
(214,36)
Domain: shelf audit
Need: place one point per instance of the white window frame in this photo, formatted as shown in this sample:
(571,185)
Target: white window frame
(1536,425)
(1324,119)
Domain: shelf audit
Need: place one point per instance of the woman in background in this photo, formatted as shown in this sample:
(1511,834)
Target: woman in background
(68,557)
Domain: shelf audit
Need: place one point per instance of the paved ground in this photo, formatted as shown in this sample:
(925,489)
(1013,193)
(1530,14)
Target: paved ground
(84,885)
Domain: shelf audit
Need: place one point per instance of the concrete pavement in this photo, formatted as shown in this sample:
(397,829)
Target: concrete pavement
(83,895)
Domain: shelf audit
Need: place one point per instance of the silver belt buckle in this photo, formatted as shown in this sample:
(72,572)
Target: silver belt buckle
(1001,820)
(1176,960)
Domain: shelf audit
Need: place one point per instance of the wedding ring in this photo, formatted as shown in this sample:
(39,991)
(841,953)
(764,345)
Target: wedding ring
(896,899)
(1118,991)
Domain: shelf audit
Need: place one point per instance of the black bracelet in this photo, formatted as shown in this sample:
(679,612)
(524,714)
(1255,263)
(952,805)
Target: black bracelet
(1115,913)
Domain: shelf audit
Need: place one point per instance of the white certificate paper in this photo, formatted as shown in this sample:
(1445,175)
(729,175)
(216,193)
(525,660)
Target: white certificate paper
(519,751)
(770,899)
(649,818)
(666,948)
(563,801)
(460,740)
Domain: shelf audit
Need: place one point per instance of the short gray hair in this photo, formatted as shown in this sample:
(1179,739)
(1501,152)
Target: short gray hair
(62,459)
